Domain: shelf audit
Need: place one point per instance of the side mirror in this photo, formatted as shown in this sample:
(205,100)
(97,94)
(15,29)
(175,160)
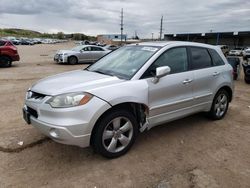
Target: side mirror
(161,72)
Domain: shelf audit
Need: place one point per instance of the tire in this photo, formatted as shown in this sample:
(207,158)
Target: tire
(115,134)
(72,60)
(235,76)
(220,105)
(5,61)
(247,81)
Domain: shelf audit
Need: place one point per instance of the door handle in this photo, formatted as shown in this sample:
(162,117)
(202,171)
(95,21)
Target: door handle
(216,73)
(187,81)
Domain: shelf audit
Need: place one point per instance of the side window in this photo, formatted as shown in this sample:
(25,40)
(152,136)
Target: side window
(175,58)
(217,60)
(86,49)
(200,58)
(96,49)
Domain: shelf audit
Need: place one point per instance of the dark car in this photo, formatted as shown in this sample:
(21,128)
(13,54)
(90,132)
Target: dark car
(26,42)
(8,53)
(246,68)
(235,63)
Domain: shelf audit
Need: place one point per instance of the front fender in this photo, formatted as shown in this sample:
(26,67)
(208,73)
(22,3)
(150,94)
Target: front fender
(135,91)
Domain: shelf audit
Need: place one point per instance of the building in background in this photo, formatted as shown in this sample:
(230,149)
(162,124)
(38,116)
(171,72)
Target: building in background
(232,39)
(110,38)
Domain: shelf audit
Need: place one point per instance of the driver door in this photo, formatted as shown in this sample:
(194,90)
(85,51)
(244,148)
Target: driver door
(172,96)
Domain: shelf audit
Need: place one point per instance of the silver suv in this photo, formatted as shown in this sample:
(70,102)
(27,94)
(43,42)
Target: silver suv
(129,91)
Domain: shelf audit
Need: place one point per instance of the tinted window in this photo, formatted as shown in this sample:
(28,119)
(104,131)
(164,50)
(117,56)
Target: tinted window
(217,60)
(200,58)
(86,49)
(175,58)
(96,49)
(233,61)
(2,43)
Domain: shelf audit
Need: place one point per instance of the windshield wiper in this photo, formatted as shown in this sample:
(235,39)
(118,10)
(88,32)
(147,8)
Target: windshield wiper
(100,72)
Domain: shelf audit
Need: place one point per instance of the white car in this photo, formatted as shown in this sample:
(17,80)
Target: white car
(246,53)
(236,52)
(81,54)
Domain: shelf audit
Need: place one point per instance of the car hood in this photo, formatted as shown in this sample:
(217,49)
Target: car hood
(74,81)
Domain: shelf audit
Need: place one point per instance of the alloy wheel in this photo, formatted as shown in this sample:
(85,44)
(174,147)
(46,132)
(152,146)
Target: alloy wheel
(220,106)
(117,134)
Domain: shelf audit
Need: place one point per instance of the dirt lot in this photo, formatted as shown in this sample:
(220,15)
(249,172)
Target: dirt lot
(192,152)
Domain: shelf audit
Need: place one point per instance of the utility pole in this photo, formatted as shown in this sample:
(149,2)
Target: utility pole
(121,25)
(152,36)
(161,28)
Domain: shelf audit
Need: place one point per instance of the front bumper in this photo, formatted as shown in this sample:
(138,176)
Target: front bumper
(71,126)
(62,134)
(60,58)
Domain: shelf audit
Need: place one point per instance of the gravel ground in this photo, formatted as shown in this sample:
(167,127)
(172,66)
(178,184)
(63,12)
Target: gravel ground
(192,152)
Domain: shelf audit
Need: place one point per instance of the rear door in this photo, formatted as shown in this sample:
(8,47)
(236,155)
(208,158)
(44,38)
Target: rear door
(96,53)
(207,76)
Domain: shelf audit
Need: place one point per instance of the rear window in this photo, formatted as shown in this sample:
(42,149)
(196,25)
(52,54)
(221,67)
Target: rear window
(200,58)
(217,60)
(2,42)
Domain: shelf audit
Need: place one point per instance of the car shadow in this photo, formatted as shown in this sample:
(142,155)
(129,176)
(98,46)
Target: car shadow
(173,130)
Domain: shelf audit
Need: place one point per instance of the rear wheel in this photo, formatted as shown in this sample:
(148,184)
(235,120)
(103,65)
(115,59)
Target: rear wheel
(72,60)
(247,75)
(220,105)
(5,61)
(115,134)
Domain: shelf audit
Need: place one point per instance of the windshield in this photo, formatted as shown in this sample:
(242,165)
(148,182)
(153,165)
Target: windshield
(77,49)
(124,62)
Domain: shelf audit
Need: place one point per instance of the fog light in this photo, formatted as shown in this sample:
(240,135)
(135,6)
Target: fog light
(54,133)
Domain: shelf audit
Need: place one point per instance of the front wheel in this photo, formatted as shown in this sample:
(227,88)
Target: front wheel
(115,134)
(220,105)
(6,61)
(72,60)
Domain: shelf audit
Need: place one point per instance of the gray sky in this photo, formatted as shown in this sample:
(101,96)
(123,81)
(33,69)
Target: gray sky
(94,17)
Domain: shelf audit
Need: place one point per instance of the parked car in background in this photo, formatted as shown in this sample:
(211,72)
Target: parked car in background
(80,54)
(236,52)
(16,41)
(235,63)
(111,47)
(246,68)
(224,49)
(26,41)
(8,53)
(246,53)
(80,43)
(129,91)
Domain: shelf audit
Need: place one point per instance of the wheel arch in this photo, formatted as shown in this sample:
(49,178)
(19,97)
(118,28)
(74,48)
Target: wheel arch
(229,91)
(72,56)
(140,111)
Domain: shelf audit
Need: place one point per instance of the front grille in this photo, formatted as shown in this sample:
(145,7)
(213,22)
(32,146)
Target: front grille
(32,112)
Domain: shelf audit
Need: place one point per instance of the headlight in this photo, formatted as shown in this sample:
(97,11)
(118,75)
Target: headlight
(65,54)
(69,100)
